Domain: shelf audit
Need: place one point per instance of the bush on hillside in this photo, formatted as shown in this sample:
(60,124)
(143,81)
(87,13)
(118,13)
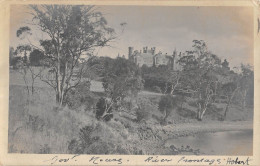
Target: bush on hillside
(141,115)
(144,107)
(157,89)
(98,139)
(104,110)
(167,104)
(79,96)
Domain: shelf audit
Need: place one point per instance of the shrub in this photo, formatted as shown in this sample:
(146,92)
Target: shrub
(45,149)
(98,138)
(103,109)
(167,104)
(84,141)
(144,107)
(141,114)
(35,123)
(79,96)
(157,89)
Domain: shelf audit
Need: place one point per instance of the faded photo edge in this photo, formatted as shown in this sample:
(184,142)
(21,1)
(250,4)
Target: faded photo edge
(66,159)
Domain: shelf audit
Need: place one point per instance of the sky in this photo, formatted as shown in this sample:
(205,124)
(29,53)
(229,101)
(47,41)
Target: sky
(228,31)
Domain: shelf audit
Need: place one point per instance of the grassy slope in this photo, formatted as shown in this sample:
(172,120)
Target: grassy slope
(37,126)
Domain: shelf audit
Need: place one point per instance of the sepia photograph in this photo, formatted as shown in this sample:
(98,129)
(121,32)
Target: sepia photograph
(131,80)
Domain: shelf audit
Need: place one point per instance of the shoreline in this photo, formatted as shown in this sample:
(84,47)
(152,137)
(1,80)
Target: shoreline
(189,129)
(177,144)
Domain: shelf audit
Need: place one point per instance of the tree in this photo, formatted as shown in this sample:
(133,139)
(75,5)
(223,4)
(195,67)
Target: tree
(172,81)
(166,105)
(122,79)
(73,33)
(11,56)
(199,74)
(246,81)
(80,95)
(24,69)
(229,90)
(162,77)
(225,64)
(23,49)
(35,57)
(17,62)
(23,65)
(104,109)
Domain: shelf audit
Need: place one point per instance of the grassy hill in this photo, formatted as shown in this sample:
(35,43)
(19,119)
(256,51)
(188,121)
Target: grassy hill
(37,125)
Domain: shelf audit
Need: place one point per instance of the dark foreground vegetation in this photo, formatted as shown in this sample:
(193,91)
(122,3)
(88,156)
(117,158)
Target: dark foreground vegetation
(37,127)
(54,110)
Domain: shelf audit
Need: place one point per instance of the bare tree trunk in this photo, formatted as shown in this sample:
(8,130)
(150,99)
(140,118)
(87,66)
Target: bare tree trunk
(108,106)
(203,112)
(173,86)
(203,107)
(61,99)
(229,102)
(244,99)
(199,108)
(26,83)
(33,80)
(172,89)
(58,80)
(182,102)
(32,86)
(226,109)
(199,115)
(165,115)
(166,88)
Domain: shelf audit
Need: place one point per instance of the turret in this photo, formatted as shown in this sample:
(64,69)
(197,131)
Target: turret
(153,50)
(145,49)
(130,52)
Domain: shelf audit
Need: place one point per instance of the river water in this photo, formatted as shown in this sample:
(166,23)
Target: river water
(219,143)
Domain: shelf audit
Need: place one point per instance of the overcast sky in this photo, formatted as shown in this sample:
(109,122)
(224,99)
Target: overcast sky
(228,31)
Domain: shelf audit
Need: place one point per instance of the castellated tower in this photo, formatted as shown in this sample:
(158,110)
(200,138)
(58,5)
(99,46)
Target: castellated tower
(153,49)
(130,52)
(145,49)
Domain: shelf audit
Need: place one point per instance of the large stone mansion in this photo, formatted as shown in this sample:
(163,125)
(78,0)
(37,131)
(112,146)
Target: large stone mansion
(149,57)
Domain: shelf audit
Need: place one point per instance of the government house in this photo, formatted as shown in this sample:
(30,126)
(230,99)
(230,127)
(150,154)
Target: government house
(149,57)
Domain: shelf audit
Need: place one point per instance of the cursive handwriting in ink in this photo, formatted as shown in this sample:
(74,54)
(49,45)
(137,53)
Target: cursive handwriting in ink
(237,161)
(98,160)
(56,159)
(157,159)
(200,160)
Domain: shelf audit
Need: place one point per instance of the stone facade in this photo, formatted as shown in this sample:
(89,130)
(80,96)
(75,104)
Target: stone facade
(149,57)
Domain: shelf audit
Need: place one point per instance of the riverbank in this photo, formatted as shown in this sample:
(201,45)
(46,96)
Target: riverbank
(37,127)
(227,138)
(187,129)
